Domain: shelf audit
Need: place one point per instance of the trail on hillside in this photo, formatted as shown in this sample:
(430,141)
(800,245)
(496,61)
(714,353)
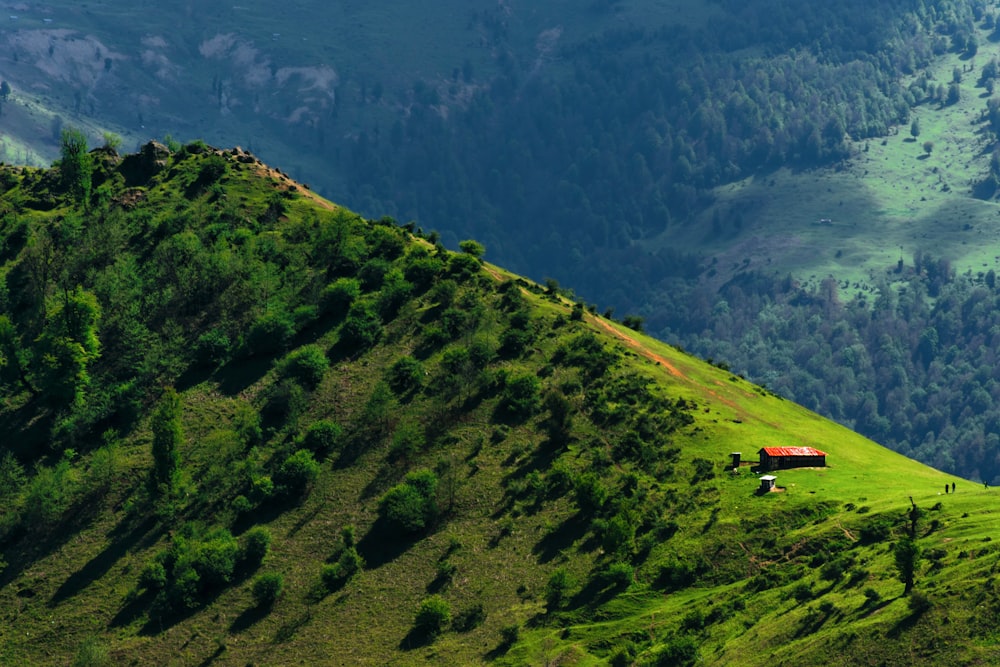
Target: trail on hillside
(643,350)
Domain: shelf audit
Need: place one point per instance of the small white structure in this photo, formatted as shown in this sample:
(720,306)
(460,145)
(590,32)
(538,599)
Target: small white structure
(766,484)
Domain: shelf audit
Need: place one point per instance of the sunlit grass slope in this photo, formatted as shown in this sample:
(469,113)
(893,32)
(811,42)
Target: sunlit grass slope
(424,458)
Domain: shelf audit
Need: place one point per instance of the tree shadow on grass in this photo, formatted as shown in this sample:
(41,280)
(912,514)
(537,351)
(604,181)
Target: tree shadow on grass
(908,621)
(24,546)
(99,565)
(595,593)
(383,544)
(416,638)
(133,608)
(239,374)
(249,618)
(568,532)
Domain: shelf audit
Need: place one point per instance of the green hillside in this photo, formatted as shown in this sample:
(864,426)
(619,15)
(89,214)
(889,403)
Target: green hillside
(244,425)
(657,155)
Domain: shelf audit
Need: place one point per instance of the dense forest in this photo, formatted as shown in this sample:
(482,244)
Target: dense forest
(609,144)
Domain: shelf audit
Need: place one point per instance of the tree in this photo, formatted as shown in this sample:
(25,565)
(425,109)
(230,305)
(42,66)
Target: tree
(907,558)
(410,506)
(928,147)
(75,165)
(167,437)
(4,90)
(954,94)
(68,346)
(267,588)
(474,248)
(915,128)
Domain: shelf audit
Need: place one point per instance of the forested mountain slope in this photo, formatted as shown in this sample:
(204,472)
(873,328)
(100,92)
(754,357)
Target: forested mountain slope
(244,425)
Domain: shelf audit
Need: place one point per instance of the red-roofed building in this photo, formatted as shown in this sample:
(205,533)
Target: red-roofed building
(776,458)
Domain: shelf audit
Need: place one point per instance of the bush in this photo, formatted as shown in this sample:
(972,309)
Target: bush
(802,592)
(267,588)
(618,575)
(339,295)
(677,651)
(509,634)
(215,559)
(284,402)
(153,577)
(411,506)
(322,436)
(212,348)
(407,441)
(305,365)
(521,396)
(591,494)
(469,619)
(92,653)
(256,546)
(363,327)
(270,334)
(555,590)
(297,473)
(432,617)
(407,374)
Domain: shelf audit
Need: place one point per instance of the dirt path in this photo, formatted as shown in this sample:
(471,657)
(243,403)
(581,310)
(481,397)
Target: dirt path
(633,343)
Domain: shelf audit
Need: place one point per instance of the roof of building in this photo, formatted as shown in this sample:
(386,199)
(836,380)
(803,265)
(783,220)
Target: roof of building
(792,451)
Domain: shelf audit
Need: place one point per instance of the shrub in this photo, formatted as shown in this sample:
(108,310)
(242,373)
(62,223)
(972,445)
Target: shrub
(92,653)
(676,651)
(256,546)
(350,563)
(212,348)
(469,619)
(555,590)
(509,634)
(591,494)
(513,342)
(270,334)
(474,248)
(339,295)
(322,436)
(405,375)
(463,267)
(802,592)
(306,365)
(443,293)
(297,473)
(432,617)
(215,559)
(675,576)
(421,270)
(410,506)
(395,292)
(521,396)
(153,576)
(618,575)
(407,441)
(284,402)
(363,327)
(267,588)
(373,273)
